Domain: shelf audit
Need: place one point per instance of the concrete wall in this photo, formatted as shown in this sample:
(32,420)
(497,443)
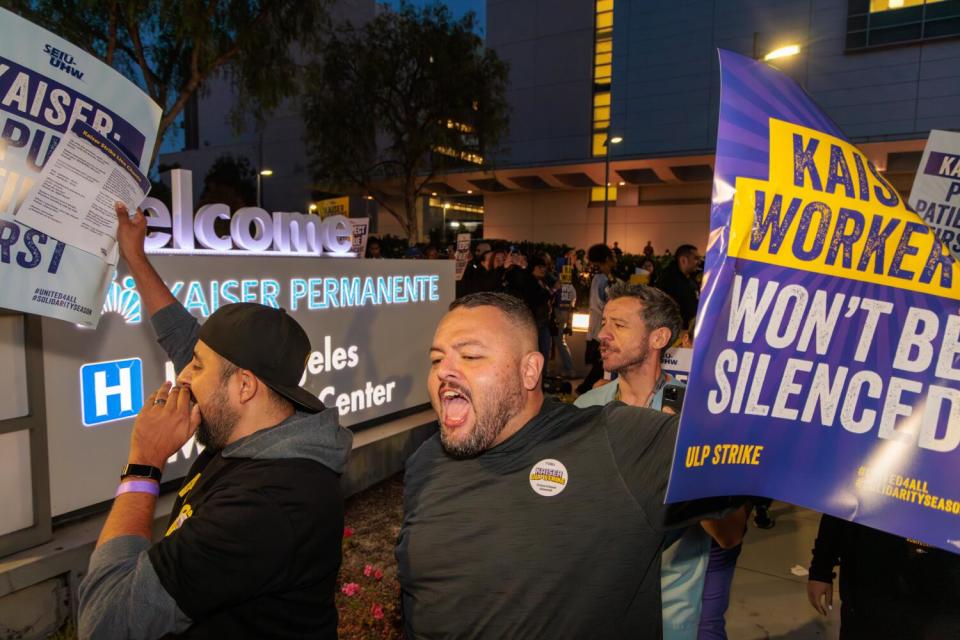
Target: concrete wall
(567,217)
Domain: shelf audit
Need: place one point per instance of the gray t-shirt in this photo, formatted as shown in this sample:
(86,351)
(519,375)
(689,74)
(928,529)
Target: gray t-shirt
(555,533)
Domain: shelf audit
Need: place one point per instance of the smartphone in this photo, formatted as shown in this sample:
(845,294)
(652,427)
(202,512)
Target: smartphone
(673,397)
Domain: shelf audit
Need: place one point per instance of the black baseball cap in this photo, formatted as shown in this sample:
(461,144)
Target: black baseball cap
(267,342)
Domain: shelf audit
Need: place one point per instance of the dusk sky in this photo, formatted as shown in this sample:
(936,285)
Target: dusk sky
(459,7)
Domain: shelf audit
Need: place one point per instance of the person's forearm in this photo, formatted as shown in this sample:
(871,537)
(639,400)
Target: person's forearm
(153,291)
(827,548)
(131,515)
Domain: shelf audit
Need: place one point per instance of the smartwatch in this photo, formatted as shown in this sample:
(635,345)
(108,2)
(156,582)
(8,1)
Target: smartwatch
(141,471)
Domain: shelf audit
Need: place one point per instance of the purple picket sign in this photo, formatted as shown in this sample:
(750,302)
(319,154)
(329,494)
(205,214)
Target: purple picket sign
(826,363)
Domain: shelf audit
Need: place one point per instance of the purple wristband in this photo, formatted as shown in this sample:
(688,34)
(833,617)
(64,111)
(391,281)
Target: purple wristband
(138,486)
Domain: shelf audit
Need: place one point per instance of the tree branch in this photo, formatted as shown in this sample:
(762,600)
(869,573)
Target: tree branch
(148,75)
(196,79)
(111,34)
(427,179)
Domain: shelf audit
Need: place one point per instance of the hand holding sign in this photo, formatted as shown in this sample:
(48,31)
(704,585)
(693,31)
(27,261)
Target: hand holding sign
(131,232)
(49,169)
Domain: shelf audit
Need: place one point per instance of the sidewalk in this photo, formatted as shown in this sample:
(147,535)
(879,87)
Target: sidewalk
(768,601)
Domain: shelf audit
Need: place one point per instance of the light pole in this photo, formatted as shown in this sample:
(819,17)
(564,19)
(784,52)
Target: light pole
(443,236)
(263,173)
(606,180)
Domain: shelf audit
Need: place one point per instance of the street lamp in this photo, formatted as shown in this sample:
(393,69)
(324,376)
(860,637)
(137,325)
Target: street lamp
(785,51)
(782,52)
(264,173)
(606,179)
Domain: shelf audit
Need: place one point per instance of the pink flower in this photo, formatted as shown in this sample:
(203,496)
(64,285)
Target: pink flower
(350,589)
(377,611)
(368,570)
(378,574)
(347,532)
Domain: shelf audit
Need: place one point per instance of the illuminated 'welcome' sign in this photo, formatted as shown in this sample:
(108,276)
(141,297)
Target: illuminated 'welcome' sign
(252,229)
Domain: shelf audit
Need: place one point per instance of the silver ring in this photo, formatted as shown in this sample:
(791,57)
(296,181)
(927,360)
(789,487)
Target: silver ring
(160,401)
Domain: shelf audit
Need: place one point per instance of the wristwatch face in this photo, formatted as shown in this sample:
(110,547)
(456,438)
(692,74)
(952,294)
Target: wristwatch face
(141,471)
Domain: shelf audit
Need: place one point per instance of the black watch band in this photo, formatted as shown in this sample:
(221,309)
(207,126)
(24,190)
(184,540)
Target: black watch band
(142,471)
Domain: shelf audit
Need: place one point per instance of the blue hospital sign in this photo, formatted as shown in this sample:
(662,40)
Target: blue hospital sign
(111,390)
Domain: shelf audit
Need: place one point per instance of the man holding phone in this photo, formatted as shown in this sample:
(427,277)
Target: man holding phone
(640,323)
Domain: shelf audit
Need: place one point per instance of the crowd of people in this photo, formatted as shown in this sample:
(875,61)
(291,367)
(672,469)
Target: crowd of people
(553,287)
(524,516)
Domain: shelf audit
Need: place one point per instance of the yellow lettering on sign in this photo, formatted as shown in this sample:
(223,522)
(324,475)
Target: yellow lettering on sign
(828,210)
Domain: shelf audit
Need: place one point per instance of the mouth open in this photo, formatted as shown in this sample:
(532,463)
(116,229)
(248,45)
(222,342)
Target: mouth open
(455,405)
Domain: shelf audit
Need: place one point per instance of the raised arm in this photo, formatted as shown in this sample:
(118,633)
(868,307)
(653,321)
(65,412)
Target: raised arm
(131,233)
(176,329)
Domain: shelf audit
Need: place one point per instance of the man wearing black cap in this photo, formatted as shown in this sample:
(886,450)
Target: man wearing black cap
(252,548)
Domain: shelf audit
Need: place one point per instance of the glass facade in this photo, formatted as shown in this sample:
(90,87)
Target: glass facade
(878,23)
(602,75)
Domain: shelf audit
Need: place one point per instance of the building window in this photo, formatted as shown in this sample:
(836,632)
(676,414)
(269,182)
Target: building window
(878,23)
(599,147)
(601,110)
(596,194)
(602,75)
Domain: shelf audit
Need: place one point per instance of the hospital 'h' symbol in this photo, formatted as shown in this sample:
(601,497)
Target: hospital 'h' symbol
(111,390)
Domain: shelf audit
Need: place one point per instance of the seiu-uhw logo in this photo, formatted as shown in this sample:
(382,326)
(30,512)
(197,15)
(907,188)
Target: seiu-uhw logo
(111,390)
(63,61)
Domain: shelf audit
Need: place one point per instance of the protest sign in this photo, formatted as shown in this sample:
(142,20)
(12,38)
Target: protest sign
(46,85)
(334,207)
(935,195)
(462,255)
(80,182)
(825,368)
(676,362)
(361,231)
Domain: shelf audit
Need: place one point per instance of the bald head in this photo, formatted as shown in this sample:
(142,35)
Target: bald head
(519,323)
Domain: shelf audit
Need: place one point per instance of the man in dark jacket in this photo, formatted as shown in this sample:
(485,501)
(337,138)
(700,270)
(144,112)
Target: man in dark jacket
(677,282)
(483,274)
(252,548)
(890,587)
(529,285)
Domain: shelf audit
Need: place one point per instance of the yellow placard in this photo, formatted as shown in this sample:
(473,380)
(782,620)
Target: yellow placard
(334,207)
(827,209)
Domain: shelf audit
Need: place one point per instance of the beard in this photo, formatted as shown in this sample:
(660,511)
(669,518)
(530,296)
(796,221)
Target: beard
(490,417)
(639,359)
(217,421)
